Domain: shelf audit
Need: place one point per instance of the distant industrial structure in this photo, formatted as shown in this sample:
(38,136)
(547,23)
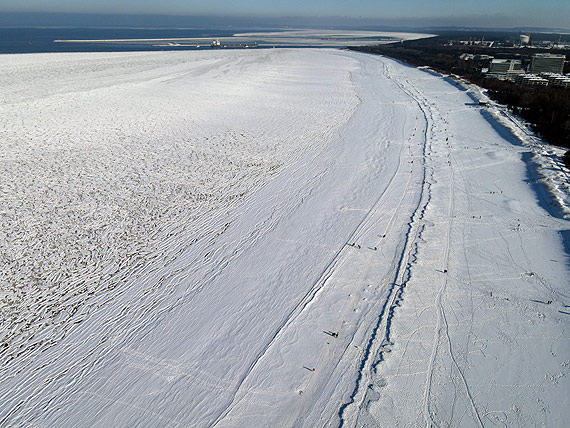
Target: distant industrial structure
(524,39)
(217,44)
(521,40)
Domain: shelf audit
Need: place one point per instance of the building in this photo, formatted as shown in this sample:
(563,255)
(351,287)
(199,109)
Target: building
(543,63)
(531,80)
(513,74)
(502,66)
(504,69)
(555,79)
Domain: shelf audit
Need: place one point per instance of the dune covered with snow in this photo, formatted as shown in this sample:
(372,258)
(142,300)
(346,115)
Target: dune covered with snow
(280,237)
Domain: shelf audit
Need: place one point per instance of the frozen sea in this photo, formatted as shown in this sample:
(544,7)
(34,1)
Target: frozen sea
(275,237)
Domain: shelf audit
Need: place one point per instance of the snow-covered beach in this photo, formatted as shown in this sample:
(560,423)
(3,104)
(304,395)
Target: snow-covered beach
(276,237)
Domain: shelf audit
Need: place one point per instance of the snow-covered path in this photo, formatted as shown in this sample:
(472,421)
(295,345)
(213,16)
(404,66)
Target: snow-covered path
(271,238)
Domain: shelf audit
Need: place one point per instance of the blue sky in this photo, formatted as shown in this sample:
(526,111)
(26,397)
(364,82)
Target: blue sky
(549,13)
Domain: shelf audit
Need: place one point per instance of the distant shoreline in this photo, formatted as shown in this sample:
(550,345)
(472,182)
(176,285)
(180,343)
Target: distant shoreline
(51,40)
(299,38)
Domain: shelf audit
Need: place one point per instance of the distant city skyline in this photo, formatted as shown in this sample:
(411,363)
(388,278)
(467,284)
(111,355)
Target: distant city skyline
(412,13)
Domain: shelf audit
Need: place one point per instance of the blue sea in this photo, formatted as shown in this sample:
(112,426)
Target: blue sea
(36,40)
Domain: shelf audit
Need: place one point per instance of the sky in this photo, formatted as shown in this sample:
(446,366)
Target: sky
(485,13)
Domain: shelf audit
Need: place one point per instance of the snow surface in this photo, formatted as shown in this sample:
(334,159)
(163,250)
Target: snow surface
(274,238)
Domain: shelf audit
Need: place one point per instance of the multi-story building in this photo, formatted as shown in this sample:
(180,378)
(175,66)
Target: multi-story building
(556,79)
(502,66)
(531,80)
(544,62)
